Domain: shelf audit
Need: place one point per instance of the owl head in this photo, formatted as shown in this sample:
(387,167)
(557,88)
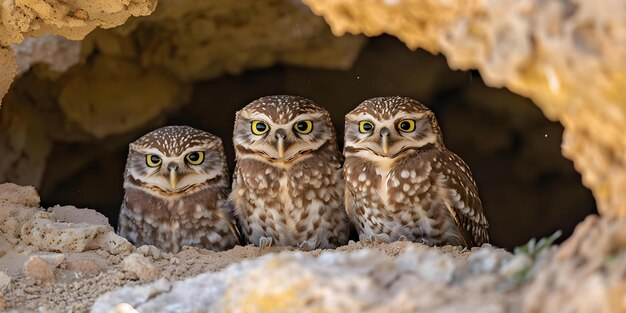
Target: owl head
(389,126)
(282,128)
(175,158)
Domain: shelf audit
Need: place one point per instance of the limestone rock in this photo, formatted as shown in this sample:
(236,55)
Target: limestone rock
(127,297)
(22,195)
(56,51)
(8,70)
(54,259)
(140,266)
(420,279)
(586,274)
(39,269)
(143,95)
(14,216)
(211,38)
(63,229)
(557,53)
(84,266)
(23,141)
(5,280)
(72,20)
(71,214)
(63,237)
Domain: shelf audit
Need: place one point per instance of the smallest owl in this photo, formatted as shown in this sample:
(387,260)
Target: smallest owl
(176,188)
(402,182)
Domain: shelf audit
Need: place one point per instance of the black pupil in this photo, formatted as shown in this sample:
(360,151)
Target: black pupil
(302,126)
(260,127)
(155,159)
(405,125)
(194,156)
(367,126)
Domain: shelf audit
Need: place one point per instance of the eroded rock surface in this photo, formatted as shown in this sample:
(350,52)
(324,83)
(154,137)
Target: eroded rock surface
(358,281)
(569,57)
(73,20)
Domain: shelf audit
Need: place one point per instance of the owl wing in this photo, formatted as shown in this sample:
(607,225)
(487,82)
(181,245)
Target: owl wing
(463,201)
(350,205)
(231,202)
(228,216)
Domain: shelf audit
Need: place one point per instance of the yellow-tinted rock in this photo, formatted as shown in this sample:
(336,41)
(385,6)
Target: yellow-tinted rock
(198,40)
(8,70)
(72,20)
(38,269)
(113,96)
(141,267)
(557,53)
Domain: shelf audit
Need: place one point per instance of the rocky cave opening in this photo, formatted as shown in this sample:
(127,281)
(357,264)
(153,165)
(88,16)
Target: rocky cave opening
(528,188)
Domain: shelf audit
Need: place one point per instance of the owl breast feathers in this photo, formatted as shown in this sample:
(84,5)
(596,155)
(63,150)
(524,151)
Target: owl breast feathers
(176,186)
(401,181)
(288,185)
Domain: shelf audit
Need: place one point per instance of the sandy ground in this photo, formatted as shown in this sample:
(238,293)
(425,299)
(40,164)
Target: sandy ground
(73,291)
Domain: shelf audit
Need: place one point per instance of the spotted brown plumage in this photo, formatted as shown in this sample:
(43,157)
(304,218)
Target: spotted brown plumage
(288,184)
(176,188)
(402,182)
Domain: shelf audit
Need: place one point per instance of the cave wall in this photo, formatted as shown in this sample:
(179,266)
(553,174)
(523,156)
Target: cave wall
(569,57)
(528,188)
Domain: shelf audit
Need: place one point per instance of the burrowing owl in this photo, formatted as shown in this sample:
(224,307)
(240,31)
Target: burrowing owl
(288,185)
(402,182)
(176,188)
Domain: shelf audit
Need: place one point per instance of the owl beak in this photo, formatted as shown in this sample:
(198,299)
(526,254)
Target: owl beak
(173,178)
(384,134)
(281,147)
(280,142)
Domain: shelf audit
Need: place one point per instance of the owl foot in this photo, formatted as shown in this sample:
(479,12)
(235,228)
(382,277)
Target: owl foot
(308,245)
(265,242)
(373,239)
(427,242)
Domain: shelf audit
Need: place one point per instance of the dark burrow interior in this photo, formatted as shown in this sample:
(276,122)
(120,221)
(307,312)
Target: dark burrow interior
(527,187)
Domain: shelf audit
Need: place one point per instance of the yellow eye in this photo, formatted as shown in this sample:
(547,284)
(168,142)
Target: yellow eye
(259,127)
(406,126)
(366,126)
(195,158)
(153,160)
(303,127)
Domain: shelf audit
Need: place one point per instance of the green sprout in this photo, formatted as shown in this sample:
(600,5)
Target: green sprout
(534,247)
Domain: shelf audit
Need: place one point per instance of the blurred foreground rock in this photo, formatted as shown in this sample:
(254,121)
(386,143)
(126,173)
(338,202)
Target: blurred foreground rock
(586,274)
(560,54)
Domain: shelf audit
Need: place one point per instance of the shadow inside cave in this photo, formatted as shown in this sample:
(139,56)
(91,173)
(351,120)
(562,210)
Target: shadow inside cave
(527,187)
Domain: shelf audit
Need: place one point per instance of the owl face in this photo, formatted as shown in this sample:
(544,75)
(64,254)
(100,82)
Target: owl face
(282,128)
(175,158)
(389,126)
